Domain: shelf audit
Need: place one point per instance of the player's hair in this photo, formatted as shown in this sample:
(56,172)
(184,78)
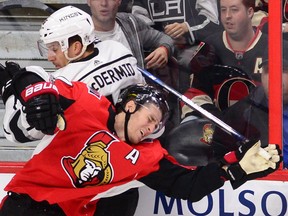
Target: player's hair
(143,94)
(75,38)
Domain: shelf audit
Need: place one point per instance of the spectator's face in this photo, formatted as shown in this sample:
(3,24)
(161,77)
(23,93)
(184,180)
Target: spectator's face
(103,11)
(235,17)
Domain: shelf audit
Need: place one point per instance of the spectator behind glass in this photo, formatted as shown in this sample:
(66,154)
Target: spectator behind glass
(240,45)
(134,33)
(185,21)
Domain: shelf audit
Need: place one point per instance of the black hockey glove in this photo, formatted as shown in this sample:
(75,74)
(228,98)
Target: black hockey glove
(251,161)
(40,99)
(7,72)
(42,108)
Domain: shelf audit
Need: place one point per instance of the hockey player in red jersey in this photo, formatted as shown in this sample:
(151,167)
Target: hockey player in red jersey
(67,39)
(99,151)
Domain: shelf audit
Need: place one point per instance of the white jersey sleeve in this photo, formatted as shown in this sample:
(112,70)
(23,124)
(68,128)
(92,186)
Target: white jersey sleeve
(209,9)
(16,128)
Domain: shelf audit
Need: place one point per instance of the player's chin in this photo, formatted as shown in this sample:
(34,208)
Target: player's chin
(135,139)
(57,66)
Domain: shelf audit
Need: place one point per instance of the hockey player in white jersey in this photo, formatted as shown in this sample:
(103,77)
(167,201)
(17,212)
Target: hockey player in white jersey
(68,34)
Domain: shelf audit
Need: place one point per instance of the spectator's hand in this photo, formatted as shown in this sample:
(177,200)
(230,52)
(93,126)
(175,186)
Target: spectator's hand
(176,30)
(157,59)
(251,161)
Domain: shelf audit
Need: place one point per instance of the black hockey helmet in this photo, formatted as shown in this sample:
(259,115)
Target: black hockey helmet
(143,94)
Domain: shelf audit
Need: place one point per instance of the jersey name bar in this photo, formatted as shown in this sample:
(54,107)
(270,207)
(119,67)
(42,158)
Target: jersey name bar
(113,75)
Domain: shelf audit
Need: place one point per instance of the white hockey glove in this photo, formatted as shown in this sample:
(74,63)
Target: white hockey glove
(251,161)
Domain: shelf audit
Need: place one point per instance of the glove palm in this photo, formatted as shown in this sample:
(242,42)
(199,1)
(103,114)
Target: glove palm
(251,161)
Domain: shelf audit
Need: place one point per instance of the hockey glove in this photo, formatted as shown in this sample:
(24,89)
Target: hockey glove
(42,108)
(251,161)
(7,73)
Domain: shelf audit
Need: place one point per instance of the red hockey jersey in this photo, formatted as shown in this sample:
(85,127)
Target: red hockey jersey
(86,161)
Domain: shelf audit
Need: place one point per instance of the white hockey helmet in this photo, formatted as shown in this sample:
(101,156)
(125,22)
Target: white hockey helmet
(65,23)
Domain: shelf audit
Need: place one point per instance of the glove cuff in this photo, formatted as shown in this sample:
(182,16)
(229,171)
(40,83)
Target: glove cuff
(235,172)
(230,158)
(36,89)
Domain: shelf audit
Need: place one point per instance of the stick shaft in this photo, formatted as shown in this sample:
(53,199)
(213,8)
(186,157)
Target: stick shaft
(191,104)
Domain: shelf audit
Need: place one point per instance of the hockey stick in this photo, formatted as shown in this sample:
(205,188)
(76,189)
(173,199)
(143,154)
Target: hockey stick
(204,112)
(191,104)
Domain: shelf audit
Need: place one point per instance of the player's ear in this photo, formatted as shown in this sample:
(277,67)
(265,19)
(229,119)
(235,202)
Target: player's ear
(130,106)
(78,47)
(75,49)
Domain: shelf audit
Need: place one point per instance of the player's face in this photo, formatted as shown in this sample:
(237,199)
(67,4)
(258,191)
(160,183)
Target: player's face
(56,55)
(103,12)
(235,17)
(143,122)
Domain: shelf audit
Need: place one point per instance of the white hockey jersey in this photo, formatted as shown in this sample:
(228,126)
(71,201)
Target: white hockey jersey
(110,70)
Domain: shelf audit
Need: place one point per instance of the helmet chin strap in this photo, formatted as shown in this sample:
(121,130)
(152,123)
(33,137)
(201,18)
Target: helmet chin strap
(127,117)
(76,57)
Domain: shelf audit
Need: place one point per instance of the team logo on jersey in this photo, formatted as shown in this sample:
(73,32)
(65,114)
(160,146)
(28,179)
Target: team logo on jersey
(97,62)
(169,10)
(231,91)
(239,55)
(207,134)
(91,166)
